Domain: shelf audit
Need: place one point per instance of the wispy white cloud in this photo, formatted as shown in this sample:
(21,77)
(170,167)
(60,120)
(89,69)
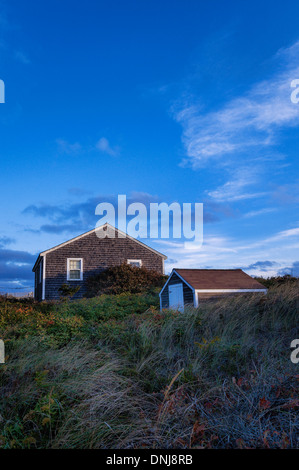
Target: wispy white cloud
(101,145)
(287,193)
(236,188)
(268,242)
(226,252)
(266,210)
(245,123)
(104,146)
(293,232)
(213,253)
(67,148)
(7,24)
(21,57)
(78,191)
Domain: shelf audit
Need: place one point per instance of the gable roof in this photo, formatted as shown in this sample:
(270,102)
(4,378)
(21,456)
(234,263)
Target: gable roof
(218,279)
(123,234)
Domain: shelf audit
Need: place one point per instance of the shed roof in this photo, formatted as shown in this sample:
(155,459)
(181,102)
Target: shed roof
(218,279)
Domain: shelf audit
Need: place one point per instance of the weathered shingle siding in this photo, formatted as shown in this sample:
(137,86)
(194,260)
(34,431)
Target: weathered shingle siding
(187,291)
(202,296)
(38,286)
(98,254)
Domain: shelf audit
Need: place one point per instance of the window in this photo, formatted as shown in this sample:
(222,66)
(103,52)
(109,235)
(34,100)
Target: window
(135,262)
(74,269)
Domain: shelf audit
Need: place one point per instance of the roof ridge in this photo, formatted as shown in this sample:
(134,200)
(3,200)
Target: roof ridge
(209,269)
(89,232)
(222,278)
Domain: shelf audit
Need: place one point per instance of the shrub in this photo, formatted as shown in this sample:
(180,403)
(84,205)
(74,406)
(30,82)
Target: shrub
(277,280)
(106,307)
(67,292)
(124,278)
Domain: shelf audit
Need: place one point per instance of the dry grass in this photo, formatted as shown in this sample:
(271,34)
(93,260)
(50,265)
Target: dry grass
(219,376)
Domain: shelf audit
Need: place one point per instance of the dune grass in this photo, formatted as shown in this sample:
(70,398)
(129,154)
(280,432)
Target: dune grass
(99,373)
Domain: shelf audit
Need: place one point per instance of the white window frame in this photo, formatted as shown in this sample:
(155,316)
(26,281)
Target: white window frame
(68,269)
(129,261)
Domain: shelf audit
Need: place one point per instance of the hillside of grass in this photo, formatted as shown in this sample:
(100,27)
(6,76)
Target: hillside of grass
(114,372)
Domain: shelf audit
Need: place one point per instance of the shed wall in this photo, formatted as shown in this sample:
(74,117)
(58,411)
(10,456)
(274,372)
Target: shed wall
(187,292)
(38,284)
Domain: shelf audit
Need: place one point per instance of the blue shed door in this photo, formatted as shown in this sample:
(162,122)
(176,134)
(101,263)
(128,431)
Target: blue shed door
(176,297)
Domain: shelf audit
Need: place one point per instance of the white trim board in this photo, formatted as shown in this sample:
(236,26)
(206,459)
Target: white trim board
(44,278)
(195,299)
(170,276)
(229,290)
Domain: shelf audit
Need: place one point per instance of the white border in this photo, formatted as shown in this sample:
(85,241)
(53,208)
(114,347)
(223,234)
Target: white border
(68,269)
(170,276)
(230,290)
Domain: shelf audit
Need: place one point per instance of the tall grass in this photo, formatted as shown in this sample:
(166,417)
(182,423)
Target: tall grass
(218,376)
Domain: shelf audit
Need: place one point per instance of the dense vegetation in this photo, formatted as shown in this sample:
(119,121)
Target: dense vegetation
(113,371)
(277,280)
(124,278)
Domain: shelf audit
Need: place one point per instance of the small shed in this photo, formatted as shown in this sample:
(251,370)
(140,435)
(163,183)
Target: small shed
(190,286)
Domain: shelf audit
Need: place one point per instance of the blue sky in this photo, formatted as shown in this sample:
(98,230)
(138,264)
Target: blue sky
(184,101)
